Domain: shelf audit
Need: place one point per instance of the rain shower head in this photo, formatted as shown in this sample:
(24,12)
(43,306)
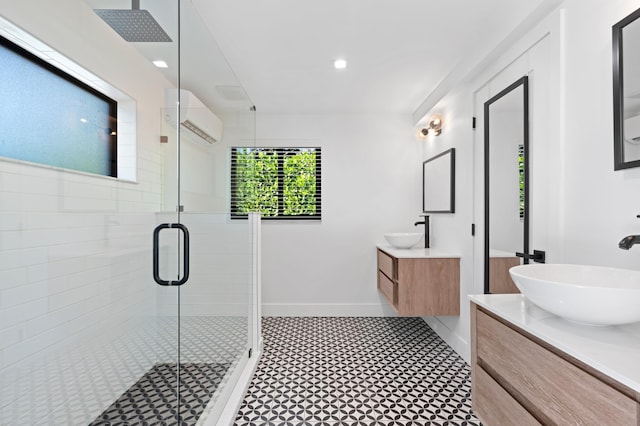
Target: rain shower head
(134,25)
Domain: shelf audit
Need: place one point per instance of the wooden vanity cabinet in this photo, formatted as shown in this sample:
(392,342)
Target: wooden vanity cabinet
(420,286)
(520,379)
(499,278)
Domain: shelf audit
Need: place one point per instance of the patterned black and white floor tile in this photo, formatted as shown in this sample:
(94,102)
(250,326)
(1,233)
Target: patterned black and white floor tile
(203,339)
(356,371)
(73,385)
(152,399)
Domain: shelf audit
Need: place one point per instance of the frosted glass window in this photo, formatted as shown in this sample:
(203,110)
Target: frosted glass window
(49,117)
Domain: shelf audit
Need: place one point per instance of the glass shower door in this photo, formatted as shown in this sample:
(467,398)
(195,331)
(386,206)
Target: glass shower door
(206,318)
(203,262)
(206,259)
(215,311)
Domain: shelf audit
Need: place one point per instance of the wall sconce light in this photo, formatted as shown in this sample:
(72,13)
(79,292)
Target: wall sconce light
(434,126)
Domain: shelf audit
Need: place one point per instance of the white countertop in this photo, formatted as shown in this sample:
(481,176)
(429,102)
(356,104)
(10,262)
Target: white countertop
(612,350)
(416,252)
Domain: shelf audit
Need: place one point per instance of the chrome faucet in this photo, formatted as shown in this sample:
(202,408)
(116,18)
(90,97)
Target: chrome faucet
(627,242)
(425,222)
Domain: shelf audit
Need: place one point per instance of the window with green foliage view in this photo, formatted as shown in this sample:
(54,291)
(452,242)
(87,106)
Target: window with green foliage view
(521,179)
(280,183)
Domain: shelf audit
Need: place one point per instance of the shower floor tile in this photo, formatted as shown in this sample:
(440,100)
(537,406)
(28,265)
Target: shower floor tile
(356,371)
(151,400)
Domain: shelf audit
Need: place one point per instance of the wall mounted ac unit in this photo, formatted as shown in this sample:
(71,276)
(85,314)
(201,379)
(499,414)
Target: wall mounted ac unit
(632,130)
(195,117)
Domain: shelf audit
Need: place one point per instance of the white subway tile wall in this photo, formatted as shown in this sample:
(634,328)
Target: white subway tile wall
(76,292)
(80,317)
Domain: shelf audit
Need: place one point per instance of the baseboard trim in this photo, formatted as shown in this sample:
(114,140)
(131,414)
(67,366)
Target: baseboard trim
(326,310)
(452,338)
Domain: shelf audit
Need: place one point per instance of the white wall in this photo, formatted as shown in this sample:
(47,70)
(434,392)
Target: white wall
(371,184)
(74,248)
(581,208)
(602,204)
(533,57)
(452,232)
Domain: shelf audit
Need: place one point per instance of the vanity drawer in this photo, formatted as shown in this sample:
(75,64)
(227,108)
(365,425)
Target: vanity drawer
(388,288)
(553,389)
(385,264)
(495,406)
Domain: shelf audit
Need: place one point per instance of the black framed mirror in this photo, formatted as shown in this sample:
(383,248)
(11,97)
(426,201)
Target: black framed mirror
(506,185)
(439,183)
(626,92)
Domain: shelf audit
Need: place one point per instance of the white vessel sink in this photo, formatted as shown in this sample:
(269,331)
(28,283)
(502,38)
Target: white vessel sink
(592,295)
(403,240)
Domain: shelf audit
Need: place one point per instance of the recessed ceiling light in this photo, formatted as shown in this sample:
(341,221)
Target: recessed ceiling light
(160,64)
(340,64)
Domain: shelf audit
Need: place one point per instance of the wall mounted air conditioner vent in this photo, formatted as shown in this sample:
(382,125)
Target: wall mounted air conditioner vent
(195,117)
(198,131)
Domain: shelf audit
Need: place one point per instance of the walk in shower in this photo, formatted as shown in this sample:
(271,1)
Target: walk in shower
(131,299)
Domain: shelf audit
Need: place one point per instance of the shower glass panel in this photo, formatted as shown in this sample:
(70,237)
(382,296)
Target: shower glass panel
(215,315)
(79,324)
(210,317)
(86,335)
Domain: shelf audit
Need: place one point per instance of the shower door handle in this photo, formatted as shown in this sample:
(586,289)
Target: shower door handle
(156,254)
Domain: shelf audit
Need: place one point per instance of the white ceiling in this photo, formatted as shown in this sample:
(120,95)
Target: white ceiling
(399,51)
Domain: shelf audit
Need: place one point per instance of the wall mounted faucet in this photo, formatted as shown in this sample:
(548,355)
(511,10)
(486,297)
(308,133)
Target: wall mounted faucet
(538,256)
(425,222)
(629,241)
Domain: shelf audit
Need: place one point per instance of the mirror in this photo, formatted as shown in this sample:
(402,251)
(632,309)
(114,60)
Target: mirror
(626,92)
(506,148)
(438,183)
